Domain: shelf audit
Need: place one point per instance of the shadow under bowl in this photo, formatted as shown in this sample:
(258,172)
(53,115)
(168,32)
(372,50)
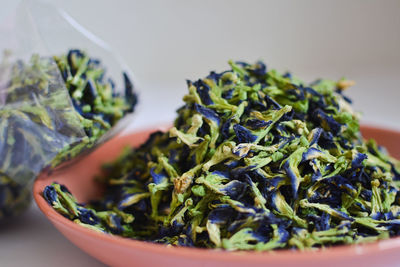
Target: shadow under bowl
(119,251)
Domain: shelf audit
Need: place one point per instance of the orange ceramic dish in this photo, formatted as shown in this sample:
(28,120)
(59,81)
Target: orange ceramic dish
(119,251)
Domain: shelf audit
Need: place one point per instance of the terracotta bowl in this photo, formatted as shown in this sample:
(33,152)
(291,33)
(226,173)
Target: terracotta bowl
(118,251)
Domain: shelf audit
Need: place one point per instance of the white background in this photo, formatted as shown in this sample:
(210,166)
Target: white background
(166,42)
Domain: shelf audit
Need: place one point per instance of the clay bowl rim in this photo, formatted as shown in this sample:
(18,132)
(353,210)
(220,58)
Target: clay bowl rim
(330,253)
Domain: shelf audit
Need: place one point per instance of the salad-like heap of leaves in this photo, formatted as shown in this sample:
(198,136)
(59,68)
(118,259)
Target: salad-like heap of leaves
(256,160)
(51,110)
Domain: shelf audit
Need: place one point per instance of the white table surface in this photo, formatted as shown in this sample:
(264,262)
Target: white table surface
(31,240)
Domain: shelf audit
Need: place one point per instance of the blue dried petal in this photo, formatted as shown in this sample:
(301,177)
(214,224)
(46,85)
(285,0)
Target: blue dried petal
(231,164)
(221,173)
(172,230)
(348,100)
(326,140)
(112,84)
(224,81)
(391,222)
(124,200)
(357,162)
(315,197)
(204,92)
(114,224)
(333,200)
(268,218)
(259,70)
(64,189)
(314,104)
(258,176)
(228,94)
(241,150)
(151,139)
(222,215)
(346,144)
(50,194)
(71,53)
(284,140)
(207,113)
(273,182)
(77,106)
(234,189)
(316,133)
(76,52)
(94,61)
(141,205)
(189,230)
(173,156)
(344,224)
(324,119)
(238,172)
(247,209)
(225,128)
(185,241)
(395,172)
(300,116)
(214,76)
(263,233)
(310,154)
(242,63)
(257,124)
(283,234)
(157,178)
(343,215)
(87,216)
(321,222)
(271,102)
(260,237)
(273,195)
(317,172)
(361,207)
(297,230)
(341,181)
(287,75)
(130,95)
(312,92)
(377,216)
(87,115)
(256,105)
(294,180)
(288,116)
(89,93)
(329,168)
(298,92)
(389,216)
(366,194)
(65,74)
(233,226)
(243,134)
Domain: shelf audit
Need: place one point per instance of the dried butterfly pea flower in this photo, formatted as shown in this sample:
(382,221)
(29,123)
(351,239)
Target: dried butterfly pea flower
(256,160)
(47,118)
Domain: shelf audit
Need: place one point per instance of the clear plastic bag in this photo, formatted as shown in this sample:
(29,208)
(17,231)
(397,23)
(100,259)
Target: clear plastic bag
(56,99)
